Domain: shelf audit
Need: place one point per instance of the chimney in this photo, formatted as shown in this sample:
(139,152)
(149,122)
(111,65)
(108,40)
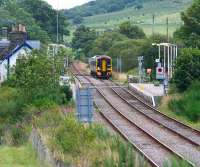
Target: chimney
(18,34)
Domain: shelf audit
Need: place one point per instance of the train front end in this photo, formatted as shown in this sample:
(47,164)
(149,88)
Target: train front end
(104,67)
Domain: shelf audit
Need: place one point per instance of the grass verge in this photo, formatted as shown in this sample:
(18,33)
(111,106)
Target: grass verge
(23,156)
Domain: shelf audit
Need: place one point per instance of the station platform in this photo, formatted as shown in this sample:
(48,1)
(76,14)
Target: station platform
(149,92)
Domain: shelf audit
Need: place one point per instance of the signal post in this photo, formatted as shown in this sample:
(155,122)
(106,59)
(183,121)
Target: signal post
(166,62)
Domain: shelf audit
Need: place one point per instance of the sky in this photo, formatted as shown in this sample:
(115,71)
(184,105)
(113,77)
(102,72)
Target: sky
(66,4)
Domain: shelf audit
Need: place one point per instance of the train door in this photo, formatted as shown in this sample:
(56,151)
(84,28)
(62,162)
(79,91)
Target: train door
(104,65)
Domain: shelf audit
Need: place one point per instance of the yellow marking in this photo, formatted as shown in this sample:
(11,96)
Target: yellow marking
(141,87)
(104,65)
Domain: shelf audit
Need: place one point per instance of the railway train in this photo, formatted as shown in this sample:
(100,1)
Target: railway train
(101,66)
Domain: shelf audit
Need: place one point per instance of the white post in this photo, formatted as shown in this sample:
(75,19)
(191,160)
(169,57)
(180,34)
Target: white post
(159,51)
(171,60)
(164,61)
(168,62)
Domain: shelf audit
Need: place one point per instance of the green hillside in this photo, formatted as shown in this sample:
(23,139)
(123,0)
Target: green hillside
(143,16)
(95,7)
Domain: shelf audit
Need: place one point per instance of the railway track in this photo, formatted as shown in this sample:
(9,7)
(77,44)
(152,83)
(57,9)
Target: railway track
(150,112)
(153,135)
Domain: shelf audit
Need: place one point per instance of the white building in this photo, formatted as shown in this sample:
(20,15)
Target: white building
(11,50)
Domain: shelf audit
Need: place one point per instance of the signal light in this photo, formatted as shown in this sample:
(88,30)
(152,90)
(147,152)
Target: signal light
(160,70)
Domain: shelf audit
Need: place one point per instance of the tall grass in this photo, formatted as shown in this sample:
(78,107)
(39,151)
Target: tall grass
(176,163)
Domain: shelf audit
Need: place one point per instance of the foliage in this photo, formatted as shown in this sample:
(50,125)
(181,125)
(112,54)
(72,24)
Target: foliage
(92,145)
(38,17)
(13,14)
(117,45)
(37,77)
(11,105)
(189,33)
(187,68)
(78,20)
(188,105)
(104,42)
(73,137)
(67,93)
(11,114)
(34,88)
(128,50)
(83,39)
(45,17)
(131,31)
(177,163)
(16,136)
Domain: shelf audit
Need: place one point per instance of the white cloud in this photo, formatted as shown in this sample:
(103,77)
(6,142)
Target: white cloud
(66,4)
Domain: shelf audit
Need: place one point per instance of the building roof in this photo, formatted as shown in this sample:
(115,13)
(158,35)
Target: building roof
(8,51)
(34,44)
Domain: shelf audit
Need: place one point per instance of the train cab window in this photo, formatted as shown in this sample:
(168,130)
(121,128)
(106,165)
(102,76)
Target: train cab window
(108,63)
(98,63)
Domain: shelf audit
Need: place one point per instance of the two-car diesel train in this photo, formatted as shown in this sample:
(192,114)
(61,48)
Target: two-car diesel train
(101,66)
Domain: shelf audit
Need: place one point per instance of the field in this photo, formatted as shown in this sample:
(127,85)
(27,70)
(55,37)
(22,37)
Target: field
(143,17)
(23,156)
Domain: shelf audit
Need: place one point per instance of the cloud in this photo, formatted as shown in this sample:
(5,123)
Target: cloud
(66,4)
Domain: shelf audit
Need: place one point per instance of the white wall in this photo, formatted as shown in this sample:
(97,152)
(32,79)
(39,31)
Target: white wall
(13,59)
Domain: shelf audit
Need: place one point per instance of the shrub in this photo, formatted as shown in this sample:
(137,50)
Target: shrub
(187,68)
(101,133)
(15,135)
(72,137)
(67,93)
(188,105)
(131,31)
(10,105)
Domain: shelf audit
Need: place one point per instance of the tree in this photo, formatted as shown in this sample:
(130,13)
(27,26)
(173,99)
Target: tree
(104,42)
(189,33)
(187,68)
(13,13)
(131,31)
(37,77)
(128,50)
(45,17)
(83,39)
(78,20)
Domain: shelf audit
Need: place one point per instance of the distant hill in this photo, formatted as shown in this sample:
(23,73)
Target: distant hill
(102,6)
(138,12)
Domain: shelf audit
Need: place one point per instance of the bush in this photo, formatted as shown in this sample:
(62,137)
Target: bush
(187,68)
(188,105)
(10,105)
(15,135)
(67,93)
(72,137)
(131,31)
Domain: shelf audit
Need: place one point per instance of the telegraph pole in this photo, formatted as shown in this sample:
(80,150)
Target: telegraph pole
(57,27)
(167,22)
(153,19)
